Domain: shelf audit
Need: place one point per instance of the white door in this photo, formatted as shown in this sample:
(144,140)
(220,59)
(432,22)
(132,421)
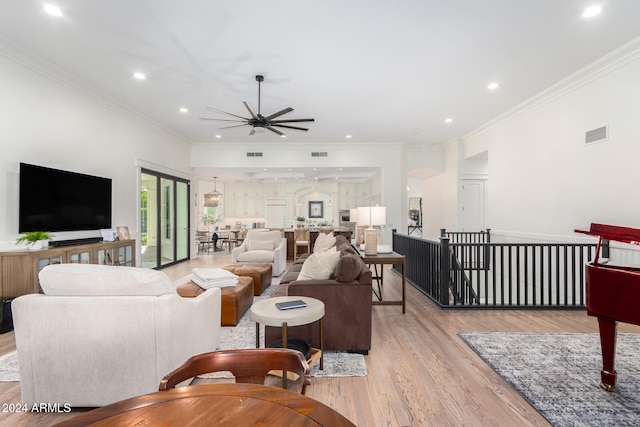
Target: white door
(472,205)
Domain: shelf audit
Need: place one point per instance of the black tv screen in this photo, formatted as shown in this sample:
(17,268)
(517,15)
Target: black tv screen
(57,200)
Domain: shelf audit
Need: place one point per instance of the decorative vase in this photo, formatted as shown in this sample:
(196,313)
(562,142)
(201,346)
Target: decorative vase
(37,245)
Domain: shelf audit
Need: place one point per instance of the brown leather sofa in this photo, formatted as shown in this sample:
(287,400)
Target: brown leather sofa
(347,300)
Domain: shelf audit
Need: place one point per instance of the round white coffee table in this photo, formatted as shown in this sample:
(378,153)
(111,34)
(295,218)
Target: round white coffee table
(268,314)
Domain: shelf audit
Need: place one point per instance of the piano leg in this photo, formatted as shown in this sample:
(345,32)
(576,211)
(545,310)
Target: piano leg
(608,335)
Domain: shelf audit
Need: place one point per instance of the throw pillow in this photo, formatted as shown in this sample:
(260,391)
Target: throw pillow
(320,265)
(349,268)
(259,245)
(324,242)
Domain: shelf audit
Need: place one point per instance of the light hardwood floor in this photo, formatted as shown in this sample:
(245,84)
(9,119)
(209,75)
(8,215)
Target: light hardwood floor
(420,372)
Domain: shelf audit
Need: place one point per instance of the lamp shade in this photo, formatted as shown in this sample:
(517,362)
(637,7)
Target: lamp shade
(378,215)
(353,215)
(364,216)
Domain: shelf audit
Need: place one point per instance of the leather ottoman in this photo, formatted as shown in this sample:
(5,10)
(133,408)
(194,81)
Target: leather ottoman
(236,300)
(260,273)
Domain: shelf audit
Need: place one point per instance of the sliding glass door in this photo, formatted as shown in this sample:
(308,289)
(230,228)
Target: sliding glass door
(164,203)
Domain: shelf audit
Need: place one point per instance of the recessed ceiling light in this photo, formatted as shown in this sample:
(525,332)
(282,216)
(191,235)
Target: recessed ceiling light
(348,136)
(493,86)
(592,11)
(139,76)
(184,110)
(448,120)
(283,136)
(218,136)
(52,10)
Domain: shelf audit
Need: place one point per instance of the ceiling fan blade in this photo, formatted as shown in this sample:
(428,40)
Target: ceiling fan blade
(224,112)
(222,120)
(290,127)
(234,126)
(251,110)
(279,113)
(272,129)
(293,121)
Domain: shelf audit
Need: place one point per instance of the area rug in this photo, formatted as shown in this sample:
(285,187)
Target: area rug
(559,375)
(336,363)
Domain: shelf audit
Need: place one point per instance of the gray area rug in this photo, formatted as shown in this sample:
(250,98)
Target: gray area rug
(336,363)
(559,375)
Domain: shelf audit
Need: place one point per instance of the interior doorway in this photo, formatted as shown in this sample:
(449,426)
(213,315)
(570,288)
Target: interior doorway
(472,209)
(164,204)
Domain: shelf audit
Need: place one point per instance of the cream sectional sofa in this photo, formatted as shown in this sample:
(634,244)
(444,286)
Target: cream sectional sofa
(100,334)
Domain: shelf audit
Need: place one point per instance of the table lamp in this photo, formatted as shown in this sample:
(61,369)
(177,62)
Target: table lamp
(371,216)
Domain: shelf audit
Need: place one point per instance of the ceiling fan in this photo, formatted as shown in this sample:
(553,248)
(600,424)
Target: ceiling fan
(257,121)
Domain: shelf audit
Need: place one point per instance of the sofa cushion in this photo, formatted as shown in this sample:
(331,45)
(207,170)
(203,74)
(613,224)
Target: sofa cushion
(103,280)
(320,265)
(324,242)
(265,245)
(256,256)
(349,268)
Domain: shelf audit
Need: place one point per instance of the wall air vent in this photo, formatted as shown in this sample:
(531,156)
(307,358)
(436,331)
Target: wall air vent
(319,154)
(596,135)
(254,154)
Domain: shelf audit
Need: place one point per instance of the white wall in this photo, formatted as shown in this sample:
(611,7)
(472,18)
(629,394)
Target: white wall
(45,123)
(440,195)
(544,180)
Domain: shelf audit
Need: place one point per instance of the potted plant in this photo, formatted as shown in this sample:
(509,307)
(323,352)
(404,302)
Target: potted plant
(300,220)
(209,219)
(35,239)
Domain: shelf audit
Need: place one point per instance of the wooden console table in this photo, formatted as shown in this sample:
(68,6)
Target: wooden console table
(19,269)
(215,405)
(392,259)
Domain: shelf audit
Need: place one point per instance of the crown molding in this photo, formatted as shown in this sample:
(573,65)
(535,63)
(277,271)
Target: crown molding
(38,65)
(614,60)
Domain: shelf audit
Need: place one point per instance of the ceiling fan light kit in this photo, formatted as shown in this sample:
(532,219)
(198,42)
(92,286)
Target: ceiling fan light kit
(257,121)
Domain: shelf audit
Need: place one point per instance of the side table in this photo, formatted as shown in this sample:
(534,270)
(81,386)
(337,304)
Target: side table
(268,314)
(382,259)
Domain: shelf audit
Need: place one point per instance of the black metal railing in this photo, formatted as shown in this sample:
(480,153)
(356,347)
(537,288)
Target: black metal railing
(474,273)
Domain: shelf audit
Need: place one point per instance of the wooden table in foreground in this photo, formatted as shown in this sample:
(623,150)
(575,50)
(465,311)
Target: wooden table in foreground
(215,405)
(390,258)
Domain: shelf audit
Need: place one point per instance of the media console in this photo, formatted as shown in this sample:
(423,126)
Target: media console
(19,269)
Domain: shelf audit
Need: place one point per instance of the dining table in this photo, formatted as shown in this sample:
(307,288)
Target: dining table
(222,404)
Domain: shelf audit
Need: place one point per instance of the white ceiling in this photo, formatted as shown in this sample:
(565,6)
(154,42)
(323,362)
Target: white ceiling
(381,71)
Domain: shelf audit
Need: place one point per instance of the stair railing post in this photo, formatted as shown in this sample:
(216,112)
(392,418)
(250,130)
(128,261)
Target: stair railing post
(445,261)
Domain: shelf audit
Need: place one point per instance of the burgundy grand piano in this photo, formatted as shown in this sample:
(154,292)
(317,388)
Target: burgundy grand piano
(613,295)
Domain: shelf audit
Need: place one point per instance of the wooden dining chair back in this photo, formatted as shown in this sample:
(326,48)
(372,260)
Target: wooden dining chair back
(247,366)
(302,237)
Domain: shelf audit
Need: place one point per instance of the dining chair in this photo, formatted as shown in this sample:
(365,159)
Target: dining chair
(302,237)
(247,365)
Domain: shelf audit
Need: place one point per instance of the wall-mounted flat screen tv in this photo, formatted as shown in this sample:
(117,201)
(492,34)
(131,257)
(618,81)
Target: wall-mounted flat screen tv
(57,200)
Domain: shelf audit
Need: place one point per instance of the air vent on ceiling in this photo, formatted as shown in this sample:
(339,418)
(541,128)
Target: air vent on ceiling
(596,135)
(254,154)
(318,154)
